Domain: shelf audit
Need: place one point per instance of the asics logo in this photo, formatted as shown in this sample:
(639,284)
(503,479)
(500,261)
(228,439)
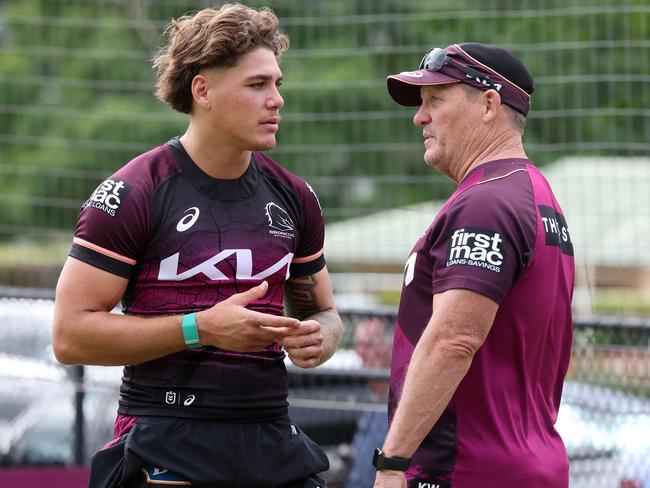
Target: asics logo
(189,400)
(188,220)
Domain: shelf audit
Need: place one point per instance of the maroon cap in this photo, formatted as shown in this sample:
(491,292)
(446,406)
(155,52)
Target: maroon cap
(489,67)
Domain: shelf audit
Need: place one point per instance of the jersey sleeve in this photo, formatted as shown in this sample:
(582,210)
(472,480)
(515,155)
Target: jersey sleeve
(484,240)
(309,257)
(113,225)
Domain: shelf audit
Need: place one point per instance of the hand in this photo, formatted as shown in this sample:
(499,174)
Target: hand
(230,326)
(390,479)
(304,345)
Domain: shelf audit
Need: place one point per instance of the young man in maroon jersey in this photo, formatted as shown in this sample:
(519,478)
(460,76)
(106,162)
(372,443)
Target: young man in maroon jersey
(484,328)
(204,240)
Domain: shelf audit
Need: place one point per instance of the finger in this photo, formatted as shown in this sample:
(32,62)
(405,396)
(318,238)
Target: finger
(304,353)
(279,333)
(270,334)
(306,327)
(282,334)
(310,324)
(310,362)
(275,321)
(250,295)
(302,341)
(302,337)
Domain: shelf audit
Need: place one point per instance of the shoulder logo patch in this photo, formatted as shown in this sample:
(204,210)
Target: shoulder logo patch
(477,247)
(109,196)
(556,229)
(188,220)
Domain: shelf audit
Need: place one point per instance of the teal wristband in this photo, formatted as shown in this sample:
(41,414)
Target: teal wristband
(190,331)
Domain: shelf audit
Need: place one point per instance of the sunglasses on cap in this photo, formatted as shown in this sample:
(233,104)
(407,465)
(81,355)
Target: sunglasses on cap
(436,58)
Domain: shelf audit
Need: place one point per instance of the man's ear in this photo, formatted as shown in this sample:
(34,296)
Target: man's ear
(491,105)
(200,87)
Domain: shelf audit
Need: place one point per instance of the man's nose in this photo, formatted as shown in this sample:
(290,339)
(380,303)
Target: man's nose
(276,101)
(421,117)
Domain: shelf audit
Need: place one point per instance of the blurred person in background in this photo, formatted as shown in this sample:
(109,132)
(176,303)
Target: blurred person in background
(484,327)
(373,345)
(202,239)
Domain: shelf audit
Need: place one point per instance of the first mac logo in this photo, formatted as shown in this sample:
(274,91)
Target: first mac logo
(477,247)
(108,196)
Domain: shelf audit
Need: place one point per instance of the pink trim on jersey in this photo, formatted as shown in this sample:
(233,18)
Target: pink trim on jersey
(104,251)
(308,258)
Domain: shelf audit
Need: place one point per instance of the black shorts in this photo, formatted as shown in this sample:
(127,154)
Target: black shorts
(167,451)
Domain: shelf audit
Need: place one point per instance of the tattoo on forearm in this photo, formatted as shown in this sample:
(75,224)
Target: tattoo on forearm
(332,330)
(300,297)
(302,301)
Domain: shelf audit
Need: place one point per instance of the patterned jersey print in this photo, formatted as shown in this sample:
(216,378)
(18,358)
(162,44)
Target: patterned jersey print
(186,241)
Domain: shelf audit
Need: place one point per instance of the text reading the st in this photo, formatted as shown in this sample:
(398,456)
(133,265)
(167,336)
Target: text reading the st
(556,229)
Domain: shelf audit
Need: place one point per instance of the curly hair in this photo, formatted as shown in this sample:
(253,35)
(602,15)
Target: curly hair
(211,38)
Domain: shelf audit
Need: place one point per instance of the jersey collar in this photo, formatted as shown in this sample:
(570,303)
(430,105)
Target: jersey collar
(240,188)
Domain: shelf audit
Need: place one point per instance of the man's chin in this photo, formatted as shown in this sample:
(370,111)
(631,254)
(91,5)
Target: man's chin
(432,158)
(265,144)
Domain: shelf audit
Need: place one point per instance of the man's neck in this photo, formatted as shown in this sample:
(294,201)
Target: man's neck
(213,157)
(504,146)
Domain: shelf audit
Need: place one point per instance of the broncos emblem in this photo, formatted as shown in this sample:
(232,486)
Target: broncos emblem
(278,217)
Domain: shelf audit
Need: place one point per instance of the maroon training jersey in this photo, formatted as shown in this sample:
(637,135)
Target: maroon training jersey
(501,234)
(186,241)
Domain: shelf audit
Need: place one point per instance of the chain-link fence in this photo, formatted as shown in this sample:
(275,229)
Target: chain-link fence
(56,415)
(76,103)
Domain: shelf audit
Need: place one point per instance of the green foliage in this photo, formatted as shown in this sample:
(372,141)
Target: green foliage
(77,103)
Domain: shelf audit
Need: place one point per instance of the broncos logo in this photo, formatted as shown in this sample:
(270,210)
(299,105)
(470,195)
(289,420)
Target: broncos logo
(278,217)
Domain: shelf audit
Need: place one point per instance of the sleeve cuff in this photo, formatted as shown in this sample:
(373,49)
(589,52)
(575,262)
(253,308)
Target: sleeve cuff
(101,261)
(308,268)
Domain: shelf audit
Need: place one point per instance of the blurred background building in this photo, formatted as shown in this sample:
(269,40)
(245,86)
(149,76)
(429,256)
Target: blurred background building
(76,103)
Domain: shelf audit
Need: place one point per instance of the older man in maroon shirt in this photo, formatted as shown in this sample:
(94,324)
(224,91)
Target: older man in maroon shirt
(484,326)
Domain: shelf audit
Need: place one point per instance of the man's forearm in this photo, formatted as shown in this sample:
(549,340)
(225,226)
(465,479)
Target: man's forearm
(460,322)
(310,298)
(331,328)
(433,375)
(108,339)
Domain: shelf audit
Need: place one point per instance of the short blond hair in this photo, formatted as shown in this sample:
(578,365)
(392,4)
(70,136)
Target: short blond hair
(211,38)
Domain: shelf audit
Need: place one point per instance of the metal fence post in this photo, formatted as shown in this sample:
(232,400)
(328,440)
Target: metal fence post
(79,438)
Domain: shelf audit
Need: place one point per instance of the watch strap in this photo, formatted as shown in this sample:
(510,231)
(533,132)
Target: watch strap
(381,461)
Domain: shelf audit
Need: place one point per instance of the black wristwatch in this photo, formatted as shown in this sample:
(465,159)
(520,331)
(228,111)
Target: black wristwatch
(381,461)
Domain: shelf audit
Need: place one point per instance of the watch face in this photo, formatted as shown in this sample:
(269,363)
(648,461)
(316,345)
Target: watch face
(377,455)
(381,461)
